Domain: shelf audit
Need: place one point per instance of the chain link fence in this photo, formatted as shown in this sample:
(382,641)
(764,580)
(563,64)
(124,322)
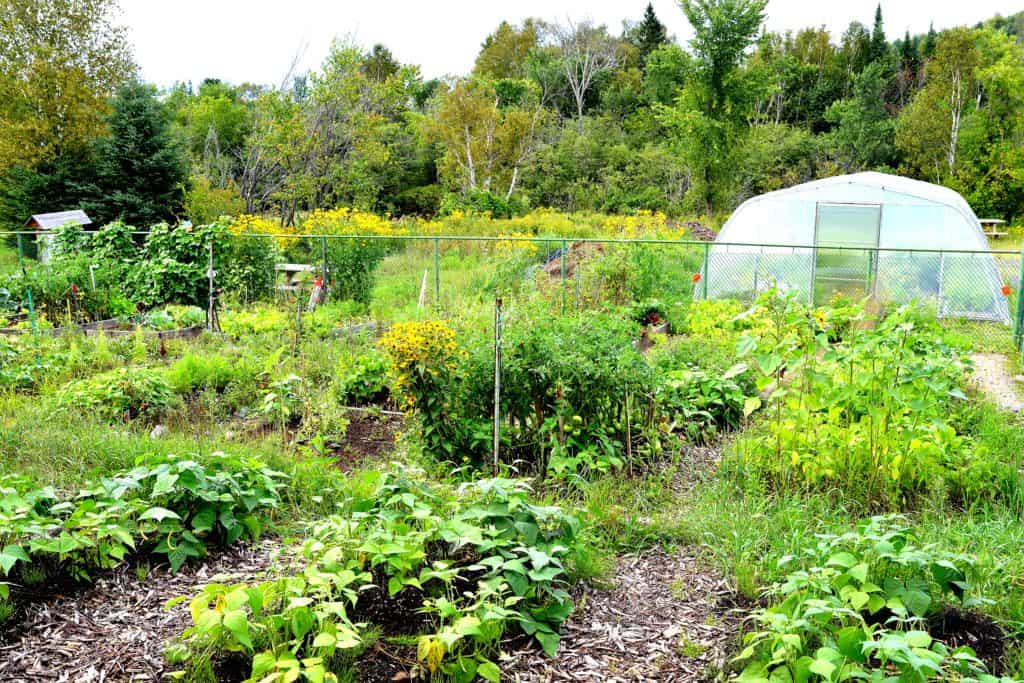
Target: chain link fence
(397,277)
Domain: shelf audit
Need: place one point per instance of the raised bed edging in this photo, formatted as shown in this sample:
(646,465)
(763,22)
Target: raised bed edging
(110,328)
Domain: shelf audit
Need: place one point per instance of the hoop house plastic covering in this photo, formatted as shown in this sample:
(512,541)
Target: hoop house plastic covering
(860,234)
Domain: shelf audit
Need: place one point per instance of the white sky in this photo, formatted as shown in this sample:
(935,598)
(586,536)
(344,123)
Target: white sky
(255,40)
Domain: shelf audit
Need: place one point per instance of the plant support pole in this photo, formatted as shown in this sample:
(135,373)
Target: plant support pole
(497,382)
(210,274)
(323,269)
(563,276)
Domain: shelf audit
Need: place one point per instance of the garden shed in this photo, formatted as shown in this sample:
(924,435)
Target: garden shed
(865,234)
(45,223)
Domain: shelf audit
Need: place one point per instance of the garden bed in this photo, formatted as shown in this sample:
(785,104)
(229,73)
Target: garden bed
(116,629)
(109,328)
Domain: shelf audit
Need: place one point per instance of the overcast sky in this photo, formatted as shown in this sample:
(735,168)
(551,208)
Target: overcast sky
(255,40)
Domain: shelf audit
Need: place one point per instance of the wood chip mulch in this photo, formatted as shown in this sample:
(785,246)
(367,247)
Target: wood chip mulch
(116,629)
(668,618)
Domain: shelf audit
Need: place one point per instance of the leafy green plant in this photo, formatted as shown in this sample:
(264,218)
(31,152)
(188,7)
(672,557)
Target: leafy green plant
(868,414)
(856,611)
(362,378)
(164,505)
(121,394)
(469,564)
(702,405)
(202,371)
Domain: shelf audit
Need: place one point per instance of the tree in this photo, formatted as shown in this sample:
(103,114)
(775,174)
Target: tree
(60,62)
(141,170)
(504,52)
(649,34)
(710,115)
(864,134)
(668,68)
(586,52)
(380,65)
(487,142)
(929,128)
(928,45)
(879,46)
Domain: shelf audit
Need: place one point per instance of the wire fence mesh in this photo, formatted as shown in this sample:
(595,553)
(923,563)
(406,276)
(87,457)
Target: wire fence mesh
(404,276)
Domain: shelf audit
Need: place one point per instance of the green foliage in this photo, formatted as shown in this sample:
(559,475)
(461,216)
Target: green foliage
(140,170)
(567,382)
(855,611)
(868,415)
(408,545)
(122,394)
(167,506)
(362,379)
(702,405)
(194,371)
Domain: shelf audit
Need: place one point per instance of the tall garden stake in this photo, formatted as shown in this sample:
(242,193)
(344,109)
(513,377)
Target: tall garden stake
(211,303)
(323,268)
(497,382)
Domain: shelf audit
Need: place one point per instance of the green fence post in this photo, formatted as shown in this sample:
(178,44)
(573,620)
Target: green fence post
(563,277)
(1018,319)
(707,269)
(437,272)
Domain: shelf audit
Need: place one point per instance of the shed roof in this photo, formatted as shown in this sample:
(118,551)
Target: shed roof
(47,221)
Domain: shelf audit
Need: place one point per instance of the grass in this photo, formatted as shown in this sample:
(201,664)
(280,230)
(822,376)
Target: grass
(8,259)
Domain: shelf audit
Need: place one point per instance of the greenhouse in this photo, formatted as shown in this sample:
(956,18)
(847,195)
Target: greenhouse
(866,234)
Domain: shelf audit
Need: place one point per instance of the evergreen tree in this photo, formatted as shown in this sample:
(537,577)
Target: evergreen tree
(650,34)
(928,46)
(141,170)
(879,46)
(908,54)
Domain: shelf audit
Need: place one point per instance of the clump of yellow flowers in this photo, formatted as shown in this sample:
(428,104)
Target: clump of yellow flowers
(423,354)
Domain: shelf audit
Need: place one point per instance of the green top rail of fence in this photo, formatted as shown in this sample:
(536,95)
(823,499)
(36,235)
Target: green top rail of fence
(559,240)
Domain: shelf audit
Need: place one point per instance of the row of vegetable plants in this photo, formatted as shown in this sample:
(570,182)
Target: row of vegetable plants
(451,571)
(167,506)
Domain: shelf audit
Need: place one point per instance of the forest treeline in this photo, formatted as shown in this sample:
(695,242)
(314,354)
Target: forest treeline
(571,115)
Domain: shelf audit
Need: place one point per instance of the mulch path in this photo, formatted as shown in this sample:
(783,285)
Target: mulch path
(116,629)
(668,618)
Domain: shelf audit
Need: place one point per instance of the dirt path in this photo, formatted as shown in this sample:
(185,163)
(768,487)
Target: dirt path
(992,377)
(667,619)
(116,629)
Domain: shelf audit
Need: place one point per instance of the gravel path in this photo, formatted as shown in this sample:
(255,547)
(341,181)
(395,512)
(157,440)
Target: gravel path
(991,376)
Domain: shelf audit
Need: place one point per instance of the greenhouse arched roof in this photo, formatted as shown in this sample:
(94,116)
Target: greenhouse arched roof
(865,234)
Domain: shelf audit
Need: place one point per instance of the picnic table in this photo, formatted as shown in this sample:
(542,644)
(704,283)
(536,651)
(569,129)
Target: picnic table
(291,271)
(990,226)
